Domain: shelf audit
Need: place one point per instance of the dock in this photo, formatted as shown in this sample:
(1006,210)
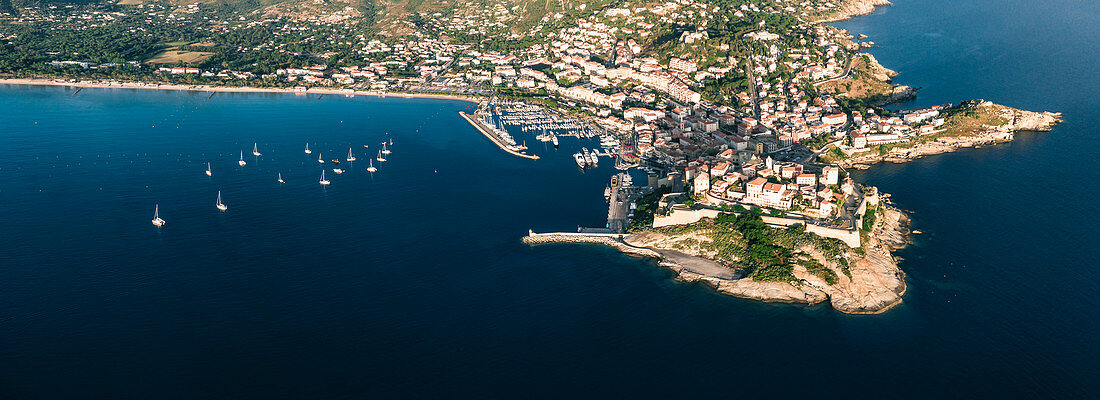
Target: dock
(494,138)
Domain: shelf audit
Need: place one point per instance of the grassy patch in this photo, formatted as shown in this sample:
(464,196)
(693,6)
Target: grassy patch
(177,56)
(861,84)
(971,120)
(765,253)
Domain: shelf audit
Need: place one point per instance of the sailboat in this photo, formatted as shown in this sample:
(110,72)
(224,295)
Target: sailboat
(384,149)
(242,163)
(219,203)
(156,216)
(308,151)
(391,141)
(280,180)
(323,180)
(208,171)
(350,156)
(371,168)
(380,158)
(255,150)
(319,159)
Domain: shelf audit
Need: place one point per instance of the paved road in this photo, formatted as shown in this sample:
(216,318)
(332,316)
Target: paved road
(819,152)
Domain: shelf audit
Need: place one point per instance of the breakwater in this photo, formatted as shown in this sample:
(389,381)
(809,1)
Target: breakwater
(607,239)
(494,138)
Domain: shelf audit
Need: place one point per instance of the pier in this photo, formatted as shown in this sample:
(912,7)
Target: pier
(494,138)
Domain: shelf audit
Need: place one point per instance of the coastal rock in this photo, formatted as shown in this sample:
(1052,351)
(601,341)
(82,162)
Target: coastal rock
(898,94)
(876,283)
(1009,121)
(877,70)
(851,8)
(1033,121)
(780,292)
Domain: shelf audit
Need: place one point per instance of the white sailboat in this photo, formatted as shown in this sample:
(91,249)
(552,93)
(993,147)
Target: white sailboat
(241,163)
(208,171)
(380,158)
(371,168)
(384,149)
(350,156)
(281,178)
(391,140)
(323,180)
(319,159)
(255,150)
(308,151)
(156,216)
(219,202)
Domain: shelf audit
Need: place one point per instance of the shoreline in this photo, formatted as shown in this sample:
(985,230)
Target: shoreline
(231,89)
(1016,121)
(849,9)
(878,267)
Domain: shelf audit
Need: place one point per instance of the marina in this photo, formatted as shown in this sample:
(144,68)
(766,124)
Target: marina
(483,122)
(495,116)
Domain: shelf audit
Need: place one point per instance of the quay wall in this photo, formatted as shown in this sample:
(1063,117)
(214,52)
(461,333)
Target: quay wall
(493,137)
(607,239)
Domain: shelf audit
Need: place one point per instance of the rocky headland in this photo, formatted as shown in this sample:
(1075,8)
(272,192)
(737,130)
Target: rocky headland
(872,283)
(972,123)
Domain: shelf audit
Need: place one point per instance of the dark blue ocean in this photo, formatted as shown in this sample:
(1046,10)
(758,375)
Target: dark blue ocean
(412,282)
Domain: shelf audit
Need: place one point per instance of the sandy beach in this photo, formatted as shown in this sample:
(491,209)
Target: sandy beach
(230,89)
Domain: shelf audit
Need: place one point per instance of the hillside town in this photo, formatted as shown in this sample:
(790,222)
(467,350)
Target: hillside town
(718,98)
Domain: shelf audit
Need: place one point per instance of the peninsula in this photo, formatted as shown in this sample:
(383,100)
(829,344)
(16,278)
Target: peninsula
(745,115)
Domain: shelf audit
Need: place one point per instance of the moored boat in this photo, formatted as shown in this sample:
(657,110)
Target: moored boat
(156,216)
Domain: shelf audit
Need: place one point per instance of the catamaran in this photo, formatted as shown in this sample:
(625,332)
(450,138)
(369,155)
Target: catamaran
(384,149)
(242,163)
(255,150)
(319,159)
(308,151)
(323,180)
(219,202)
(281,178)
(380,158)
(350,156)
(371,168)
(156,216)
(208,171)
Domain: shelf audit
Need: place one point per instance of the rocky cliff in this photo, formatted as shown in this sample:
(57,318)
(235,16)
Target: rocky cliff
(877,70)
(876,282)
(874,285)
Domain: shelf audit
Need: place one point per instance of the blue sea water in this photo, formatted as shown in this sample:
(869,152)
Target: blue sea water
(412,283)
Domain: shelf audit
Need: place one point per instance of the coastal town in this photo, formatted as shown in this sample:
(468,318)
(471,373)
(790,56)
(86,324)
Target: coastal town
(747,108)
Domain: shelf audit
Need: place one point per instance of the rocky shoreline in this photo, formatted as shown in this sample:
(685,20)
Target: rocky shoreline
(853,8)
(1018,121)
(876,283)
